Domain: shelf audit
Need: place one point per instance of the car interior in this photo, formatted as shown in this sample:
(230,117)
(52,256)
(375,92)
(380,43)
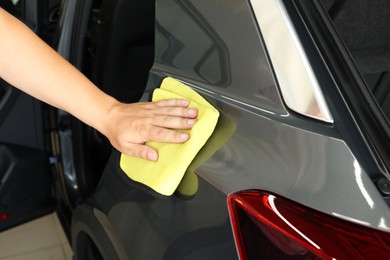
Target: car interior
(114,47)
(23,148)
(118,52)
(122,33)
(364,25)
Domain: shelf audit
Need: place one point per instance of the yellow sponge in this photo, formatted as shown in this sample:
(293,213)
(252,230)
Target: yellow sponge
(165,175)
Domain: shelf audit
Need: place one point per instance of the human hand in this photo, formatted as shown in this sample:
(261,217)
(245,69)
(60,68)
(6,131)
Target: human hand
(129,126)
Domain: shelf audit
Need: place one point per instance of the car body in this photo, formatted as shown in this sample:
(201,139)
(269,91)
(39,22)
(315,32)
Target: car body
(297,166)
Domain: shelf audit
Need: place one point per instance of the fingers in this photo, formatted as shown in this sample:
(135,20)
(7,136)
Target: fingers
(158,135)
(140,151)
(173,113)
(175,107)
(177,112)
(172,122)
(155,134)
(130,126)
(172,103)
(164,135)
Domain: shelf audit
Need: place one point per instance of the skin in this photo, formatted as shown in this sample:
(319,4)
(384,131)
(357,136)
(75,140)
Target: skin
(29,64)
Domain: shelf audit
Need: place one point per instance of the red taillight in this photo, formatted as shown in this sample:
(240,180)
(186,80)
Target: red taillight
(271,227)
(4,216)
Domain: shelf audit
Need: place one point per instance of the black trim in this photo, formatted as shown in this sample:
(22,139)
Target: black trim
(355,111)
(79,31)
(8,97)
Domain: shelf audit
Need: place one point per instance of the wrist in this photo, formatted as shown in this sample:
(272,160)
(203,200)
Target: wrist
(104,117)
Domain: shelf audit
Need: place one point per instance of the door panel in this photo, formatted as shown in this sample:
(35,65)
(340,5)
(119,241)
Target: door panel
(20,118)
(25,176)
(8,95)
(24,184)
(24,173)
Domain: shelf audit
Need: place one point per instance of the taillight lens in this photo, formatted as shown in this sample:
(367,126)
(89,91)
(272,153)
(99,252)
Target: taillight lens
(4,216)
(267,226)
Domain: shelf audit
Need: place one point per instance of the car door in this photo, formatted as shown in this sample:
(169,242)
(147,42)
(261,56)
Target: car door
(25,175)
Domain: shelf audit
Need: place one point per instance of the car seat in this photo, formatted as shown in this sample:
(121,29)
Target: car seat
(125,47)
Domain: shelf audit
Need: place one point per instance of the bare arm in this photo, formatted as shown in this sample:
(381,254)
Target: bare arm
(29,64)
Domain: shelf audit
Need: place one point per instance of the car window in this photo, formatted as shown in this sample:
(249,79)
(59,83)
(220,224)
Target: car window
(219,47)
(364,27)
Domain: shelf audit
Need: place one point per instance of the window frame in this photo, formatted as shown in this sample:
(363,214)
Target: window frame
(365,111)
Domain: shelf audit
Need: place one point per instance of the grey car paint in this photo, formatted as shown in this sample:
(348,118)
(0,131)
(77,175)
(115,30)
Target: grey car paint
(266,152)
(215,47)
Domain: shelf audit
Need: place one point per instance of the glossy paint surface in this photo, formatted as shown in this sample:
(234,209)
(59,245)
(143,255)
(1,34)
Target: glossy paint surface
(215,47)
(271,149)
(143,224)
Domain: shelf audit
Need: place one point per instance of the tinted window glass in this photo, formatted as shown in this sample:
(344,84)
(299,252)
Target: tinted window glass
(216,43)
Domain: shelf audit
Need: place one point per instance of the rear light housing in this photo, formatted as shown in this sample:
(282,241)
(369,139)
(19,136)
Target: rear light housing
(268,226)
(4,216)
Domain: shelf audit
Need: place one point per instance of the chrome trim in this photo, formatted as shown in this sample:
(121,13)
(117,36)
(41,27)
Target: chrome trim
(298,84)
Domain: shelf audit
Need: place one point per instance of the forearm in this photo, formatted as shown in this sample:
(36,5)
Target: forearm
(29,64)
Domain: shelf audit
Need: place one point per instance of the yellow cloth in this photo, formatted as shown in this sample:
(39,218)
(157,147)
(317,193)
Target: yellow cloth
(223,131)
(165,175)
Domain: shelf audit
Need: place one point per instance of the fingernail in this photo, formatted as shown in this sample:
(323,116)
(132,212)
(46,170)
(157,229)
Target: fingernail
(191,112)
(191,122)
(184,136)
(152,156)
(185,102)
